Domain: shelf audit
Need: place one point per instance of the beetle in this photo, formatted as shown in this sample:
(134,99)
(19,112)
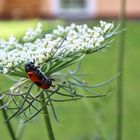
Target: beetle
(37,77)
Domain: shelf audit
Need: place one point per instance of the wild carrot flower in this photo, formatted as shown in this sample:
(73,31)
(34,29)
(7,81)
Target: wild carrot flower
(51,52)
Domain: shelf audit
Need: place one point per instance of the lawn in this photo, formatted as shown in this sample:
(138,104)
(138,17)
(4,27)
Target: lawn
(90,119)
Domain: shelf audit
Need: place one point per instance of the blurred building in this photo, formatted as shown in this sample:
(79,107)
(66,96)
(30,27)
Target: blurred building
(66,8)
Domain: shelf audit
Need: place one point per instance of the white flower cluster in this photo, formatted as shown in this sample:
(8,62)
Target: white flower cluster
(33,34)
(78,39)
(81,38)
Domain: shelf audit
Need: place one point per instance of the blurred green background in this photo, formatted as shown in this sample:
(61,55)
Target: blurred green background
(89,119)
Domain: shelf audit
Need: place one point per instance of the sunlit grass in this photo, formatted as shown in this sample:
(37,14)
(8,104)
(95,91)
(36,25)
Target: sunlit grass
(18,27)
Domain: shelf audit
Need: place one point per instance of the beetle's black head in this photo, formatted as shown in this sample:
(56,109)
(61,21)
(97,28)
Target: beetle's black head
(29,66)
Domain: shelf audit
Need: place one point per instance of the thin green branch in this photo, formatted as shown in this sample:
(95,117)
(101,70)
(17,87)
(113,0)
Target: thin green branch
(21,109)
(8,124)
(119,129)
(47,118)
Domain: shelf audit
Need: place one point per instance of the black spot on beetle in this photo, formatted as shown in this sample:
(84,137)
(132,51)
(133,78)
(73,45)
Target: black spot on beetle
(30,75)
(38,84)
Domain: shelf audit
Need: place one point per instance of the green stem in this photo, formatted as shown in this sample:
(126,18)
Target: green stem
(9,125)
(47,119)
(20,129)
(120,78)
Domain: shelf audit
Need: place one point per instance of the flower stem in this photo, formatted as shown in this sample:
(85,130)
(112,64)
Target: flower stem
(9,125)
(120,80)
(47,119)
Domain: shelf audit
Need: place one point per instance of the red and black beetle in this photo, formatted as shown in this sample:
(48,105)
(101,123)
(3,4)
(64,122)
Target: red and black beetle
(37,76)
